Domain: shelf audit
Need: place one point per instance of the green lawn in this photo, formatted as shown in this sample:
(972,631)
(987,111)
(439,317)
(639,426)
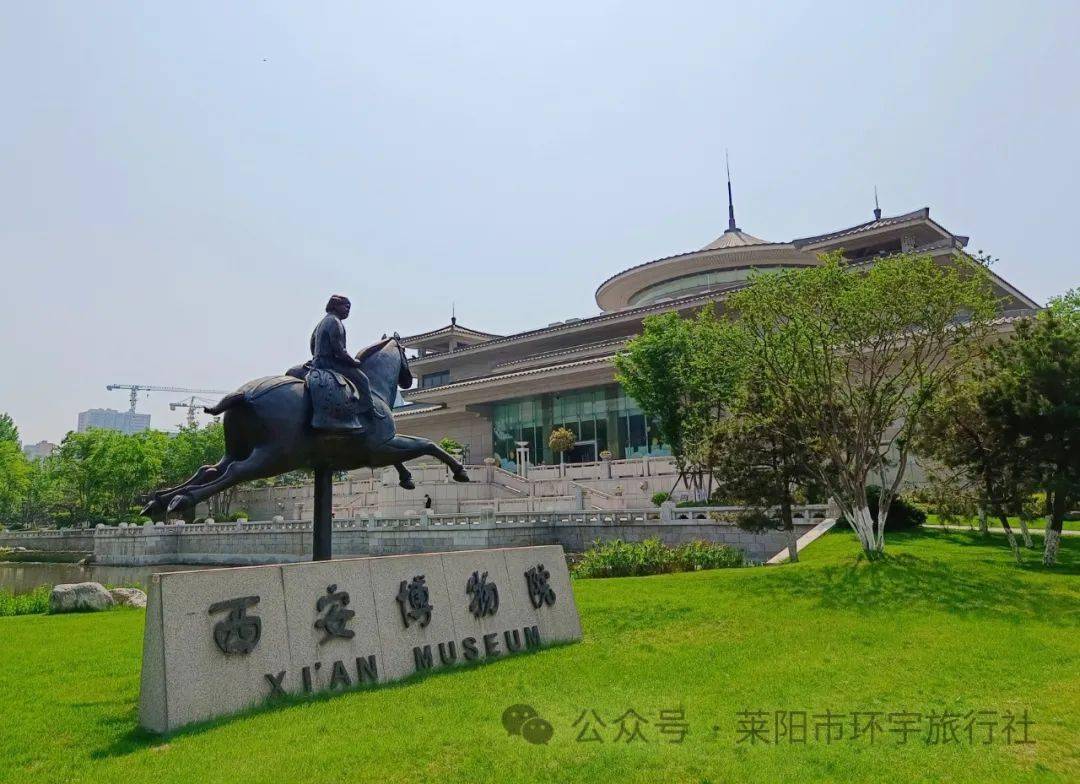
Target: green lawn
(947,623)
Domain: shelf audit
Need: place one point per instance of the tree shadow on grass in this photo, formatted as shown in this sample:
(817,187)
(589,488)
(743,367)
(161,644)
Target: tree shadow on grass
(138,739)
(996,552)
(905,581)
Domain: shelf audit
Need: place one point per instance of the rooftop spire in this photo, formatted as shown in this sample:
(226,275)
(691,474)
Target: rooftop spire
(877,207)
(730,204)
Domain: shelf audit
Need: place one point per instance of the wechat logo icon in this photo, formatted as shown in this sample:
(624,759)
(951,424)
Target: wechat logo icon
(523,720)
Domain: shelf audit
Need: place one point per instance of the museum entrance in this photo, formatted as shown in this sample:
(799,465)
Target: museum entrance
(582,452)
(601,418)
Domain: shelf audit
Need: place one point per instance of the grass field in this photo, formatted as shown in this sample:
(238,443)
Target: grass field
(946,623)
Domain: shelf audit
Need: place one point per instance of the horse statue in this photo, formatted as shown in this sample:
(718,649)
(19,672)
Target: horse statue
(268,432)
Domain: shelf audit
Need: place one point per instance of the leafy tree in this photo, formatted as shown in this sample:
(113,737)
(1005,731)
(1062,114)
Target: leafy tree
(1031,397)
(652,371)
(854,354)
(14,480)
(190,449)
(104,473)
(8,429)
(43,501)
(683,373)
(560,440)
(763,459)
(987,461)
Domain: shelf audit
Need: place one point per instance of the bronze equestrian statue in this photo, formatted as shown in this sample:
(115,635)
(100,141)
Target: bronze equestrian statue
(269,425)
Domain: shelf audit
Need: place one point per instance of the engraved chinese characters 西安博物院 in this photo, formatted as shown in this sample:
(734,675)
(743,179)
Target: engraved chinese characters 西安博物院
(221,640)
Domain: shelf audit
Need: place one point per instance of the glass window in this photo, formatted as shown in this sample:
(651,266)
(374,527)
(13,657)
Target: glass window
(604,414)
(435,379)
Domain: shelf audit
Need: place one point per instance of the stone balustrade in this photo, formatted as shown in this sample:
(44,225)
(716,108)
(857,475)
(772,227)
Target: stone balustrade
(288,541)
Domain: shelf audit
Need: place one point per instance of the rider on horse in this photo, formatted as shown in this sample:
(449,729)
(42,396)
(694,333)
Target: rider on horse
(328,353)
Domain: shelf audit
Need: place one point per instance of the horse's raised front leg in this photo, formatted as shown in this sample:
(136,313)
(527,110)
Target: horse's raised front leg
(258,465)
(401,448)
(404,477)
(207,473)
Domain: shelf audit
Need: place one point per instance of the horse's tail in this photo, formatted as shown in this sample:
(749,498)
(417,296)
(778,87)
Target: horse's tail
(225,403)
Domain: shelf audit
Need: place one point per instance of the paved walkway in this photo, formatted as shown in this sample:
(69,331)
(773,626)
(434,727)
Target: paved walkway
(803,541)
(1038,530)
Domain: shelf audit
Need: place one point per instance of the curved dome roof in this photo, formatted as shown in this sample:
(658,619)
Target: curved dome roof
(724,262)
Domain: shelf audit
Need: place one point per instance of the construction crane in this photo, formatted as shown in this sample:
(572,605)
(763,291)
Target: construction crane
(136,388)
(191,404)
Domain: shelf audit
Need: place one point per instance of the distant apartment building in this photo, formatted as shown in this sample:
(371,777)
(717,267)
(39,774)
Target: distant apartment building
(111,419)
(39,451)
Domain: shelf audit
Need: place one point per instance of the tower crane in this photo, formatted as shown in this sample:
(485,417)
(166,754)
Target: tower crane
(136,388)
(191,404)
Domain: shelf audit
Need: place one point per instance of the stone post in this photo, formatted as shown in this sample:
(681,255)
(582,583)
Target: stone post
(605,465)
(523,458)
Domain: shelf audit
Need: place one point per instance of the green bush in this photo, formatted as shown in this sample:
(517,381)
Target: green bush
(451,444)
(634,559)
(695,556)
(902,515)
(33,603)
(659,498)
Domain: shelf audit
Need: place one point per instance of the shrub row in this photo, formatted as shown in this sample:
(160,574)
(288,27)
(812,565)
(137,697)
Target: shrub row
(33,603)
(630,559)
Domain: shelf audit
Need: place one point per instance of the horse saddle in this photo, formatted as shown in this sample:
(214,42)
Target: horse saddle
(335,402)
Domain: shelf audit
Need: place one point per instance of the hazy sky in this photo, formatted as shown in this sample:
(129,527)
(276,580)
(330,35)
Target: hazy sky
(183,184)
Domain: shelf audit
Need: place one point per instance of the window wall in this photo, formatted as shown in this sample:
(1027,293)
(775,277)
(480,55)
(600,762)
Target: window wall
(700,281)
(600,418)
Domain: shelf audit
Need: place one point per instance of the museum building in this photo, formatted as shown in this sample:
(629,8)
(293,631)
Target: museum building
(493,392)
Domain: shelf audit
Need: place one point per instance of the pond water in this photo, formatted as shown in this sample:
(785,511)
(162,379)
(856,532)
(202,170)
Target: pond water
(24,577)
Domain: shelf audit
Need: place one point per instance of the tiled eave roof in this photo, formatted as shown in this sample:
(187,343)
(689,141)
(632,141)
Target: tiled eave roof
(478,380)
(449,329)
(417,408)
(577,349)
(922,214)
(567,326)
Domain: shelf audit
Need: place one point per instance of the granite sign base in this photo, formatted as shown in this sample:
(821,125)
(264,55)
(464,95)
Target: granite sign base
(222,640)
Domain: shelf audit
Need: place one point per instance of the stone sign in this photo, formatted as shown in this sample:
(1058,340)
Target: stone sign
(221,640)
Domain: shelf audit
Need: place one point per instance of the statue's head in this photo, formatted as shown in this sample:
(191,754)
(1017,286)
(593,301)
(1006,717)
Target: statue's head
(339,305)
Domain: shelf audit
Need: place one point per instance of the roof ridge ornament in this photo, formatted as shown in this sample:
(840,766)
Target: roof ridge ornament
(877,207)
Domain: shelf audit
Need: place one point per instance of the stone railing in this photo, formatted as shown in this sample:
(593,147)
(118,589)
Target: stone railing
(287,541)
(75,540)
